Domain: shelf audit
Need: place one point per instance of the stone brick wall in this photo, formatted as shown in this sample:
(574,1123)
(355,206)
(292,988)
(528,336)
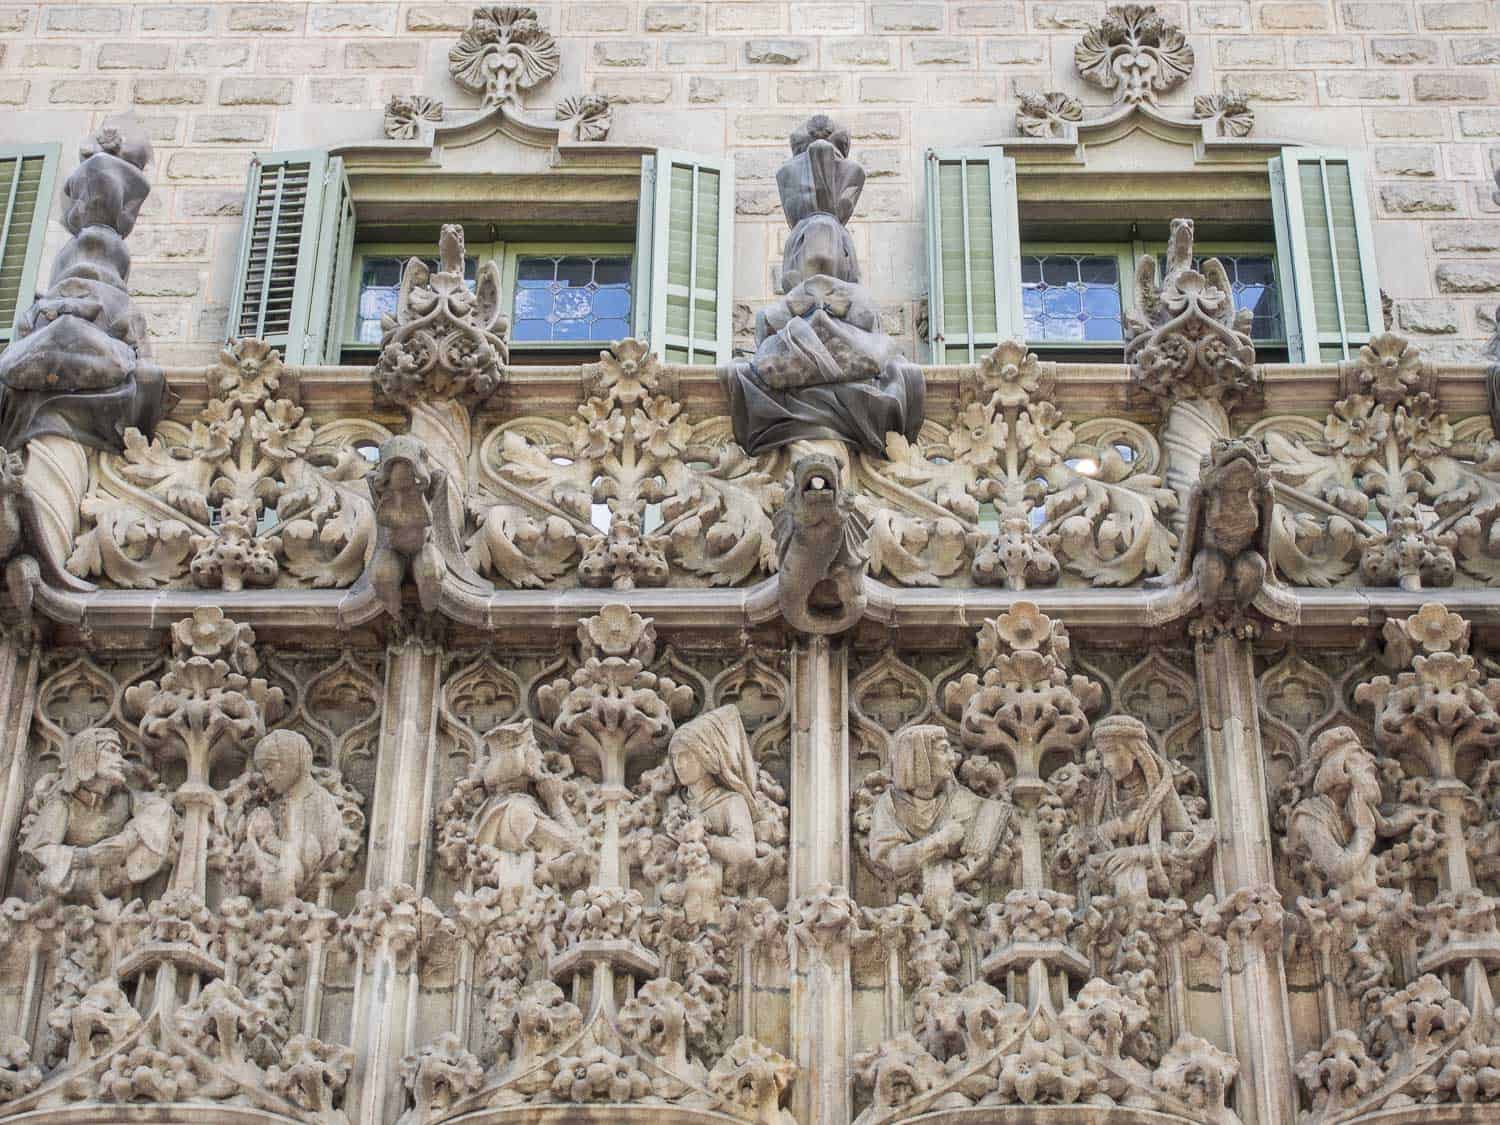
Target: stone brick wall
(1411,81)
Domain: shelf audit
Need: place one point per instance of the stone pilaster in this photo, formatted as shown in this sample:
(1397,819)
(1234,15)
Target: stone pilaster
(401,814)
(823,916)
(1258,1006)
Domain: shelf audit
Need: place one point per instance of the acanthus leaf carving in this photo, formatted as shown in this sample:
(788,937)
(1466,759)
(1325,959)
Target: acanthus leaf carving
(1136,52)
(503,52)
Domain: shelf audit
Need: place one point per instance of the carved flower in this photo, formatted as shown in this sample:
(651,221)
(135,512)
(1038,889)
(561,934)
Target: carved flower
(1047,114)
(1390,367)
(628,371)
(1357,426)
(1230,110)
(1010,373)
(281,431)
(1043,435)
(660,429)
(590,114)
(404,114)
(206,633)
(1025,628)
(215,430)
(248,372)
(599,1075)
(1426,432)
(1434,629)
(978,435)
(597,429)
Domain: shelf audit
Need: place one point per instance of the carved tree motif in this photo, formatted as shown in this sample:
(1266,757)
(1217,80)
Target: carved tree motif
(405,113)
(1230,113)
(1135,52)
(251,495)
(627,485)
(1388,485)
(503,52)
(1050,115)
(1084,501)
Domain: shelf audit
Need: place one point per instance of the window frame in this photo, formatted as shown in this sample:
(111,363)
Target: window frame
(504,254)
(1128,253)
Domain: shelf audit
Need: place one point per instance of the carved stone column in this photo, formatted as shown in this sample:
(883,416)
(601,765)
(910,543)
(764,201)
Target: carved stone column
(401,813)
(1259,1013)
(823,916)
(18,680)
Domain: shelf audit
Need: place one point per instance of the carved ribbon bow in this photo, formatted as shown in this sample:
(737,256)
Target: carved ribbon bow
(821,292)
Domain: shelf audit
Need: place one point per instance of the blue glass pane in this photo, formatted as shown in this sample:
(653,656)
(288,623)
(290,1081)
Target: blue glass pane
(611,329)
(534,303)
(535,270)
(612,302)
(612,271)
(1031,271)
(1102,330)
(571,303)
(1060,302)
(1059,271)
(1098,301)
(575,271)
(531,330)
(572,330)
(1099,271)
(1031,301)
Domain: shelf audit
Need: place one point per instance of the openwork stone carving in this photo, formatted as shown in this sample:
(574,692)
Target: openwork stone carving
(252,494)
(1135,52)
(405,114)
(1188,341)
(76,367)
(1387,487)
(820,548)
(503,52)
(446,340)
(823,367)
(1056,854)
(1086,501)
(1051,115)
(554,497)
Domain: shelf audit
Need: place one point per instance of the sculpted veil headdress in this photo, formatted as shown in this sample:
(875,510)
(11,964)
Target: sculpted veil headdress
(719,738)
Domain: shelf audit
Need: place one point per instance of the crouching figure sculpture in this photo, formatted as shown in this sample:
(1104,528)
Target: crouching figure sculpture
(820,545)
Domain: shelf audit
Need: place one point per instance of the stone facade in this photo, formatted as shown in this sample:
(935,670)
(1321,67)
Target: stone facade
(819,737)
(1409,82)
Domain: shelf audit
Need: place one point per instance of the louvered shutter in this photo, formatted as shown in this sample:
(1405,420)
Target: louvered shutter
(295,245)
(686,256)
(1324,246)
(973,254)
(27,175)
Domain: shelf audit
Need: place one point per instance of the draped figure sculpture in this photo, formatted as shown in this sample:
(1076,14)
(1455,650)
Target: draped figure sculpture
(714,814)
(823,367)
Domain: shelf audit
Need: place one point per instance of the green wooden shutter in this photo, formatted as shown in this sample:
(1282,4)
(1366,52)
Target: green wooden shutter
(973,254)
(1324,246)
(27,175)
(296,241)
(690,262)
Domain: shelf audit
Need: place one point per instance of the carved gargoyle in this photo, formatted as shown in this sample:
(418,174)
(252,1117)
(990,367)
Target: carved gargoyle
(1227,539)
(821,548)
(414,531)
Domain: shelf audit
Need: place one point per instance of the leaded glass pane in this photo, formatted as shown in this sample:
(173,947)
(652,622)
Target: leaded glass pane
(380,288)
(571,298)
(1071,297)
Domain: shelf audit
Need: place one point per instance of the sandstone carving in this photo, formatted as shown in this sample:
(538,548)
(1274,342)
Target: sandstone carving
(820,548)
(409,491)
(1136,52)
(76,368)
(405,114)
(589,116)
(503,52)
(1229,521)
(823,366)
(92,834)
(1229,112)
(1050,115)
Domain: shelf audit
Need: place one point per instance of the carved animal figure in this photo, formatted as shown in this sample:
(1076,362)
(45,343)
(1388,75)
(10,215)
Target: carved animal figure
(413,528)
(1228,526)
(821,548)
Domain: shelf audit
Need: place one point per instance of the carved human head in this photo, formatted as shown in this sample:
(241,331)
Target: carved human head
(515,759)
(922,761)
(1124,746)
(712,745)
(283,758)
(92,760)
(820,127)
(1344,766)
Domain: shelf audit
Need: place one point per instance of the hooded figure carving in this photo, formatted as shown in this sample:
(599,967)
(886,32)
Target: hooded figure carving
(823,366)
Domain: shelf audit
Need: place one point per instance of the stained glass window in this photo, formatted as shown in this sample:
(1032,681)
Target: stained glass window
(380,286)
(570,298)
(1071,297)
(1253,279)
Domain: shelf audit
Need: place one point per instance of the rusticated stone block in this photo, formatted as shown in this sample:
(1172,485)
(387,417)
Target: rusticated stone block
(672,17)
(1408,199)
(168,91)
(777,52)
(1451,88)
(82,91)
(352,19)
(906,17)
(84,19)
(1468,277)
(1480,236)
(859,52)
(230,128)
(1404,50)
(265,17)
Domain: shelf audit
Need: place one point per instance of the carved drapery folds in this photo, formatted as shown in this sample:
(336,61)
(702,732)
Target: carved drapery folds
(1042,944)
(1395,874)
(171,920)
(618,891)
